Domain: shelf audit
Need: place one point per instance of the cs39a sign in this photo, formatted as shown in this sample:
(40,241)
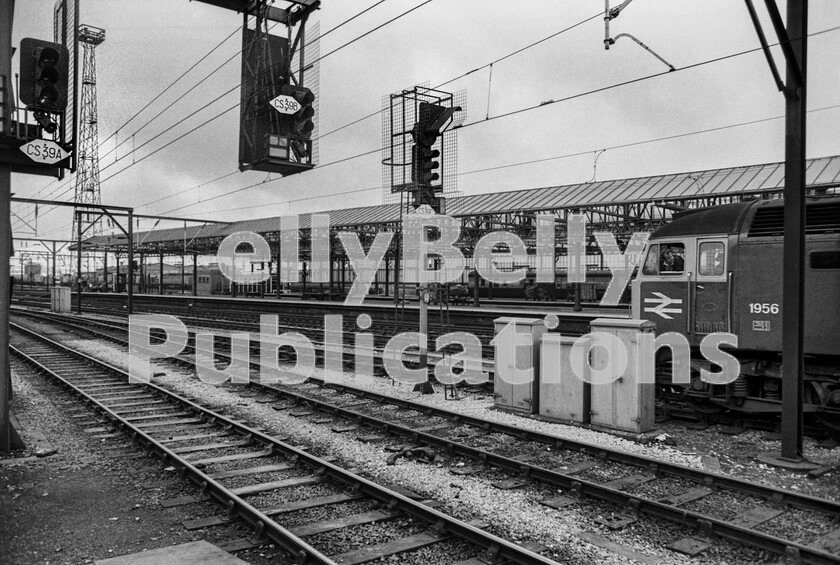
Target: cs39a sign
(44,151)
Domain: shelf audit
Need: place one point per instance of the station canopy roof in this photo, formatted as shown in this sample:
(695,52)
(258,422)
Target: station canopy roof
(680,187)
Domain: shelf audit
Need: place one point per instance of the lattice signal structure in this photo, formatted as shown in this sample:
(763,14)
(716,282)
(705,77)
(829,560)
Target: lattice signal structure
(87,160)
(278,65)
(400,111)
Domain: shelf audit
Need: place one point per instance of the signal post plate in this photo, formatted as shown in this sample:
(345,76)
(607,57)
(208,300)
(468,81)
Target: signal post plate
(285,104)
(44,151)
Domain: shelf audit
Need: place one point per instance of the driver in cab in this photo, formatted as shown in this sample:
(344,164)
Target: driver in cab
(671,261)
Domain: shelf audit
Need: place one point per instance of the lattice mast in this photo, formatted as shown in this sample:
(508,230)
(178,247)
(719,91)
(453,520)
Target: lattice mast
(87,169)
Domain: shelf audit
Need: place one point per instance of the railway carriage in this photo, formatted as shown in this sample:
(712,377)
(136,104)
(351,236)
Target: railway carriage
(720,270)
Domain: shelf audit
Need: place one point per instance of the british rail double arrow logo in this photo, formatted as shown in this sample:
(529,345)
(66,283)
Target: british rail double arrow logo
(662,304)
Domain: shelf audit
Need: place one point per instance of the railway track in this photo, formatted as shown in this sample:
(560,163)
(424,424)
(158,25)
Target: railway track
(710,504)
(115,330)
(41,297)
(234,464)
(244,315)
(244,310)
(669,406)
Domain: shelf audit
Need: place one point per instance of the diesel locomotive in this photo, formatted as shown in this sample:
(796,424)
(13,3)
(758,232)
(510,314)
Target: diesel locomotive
(720,270)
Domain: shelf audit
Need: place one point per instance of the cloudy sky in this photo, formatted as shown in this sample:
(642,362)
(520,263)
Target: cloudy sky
(150,43)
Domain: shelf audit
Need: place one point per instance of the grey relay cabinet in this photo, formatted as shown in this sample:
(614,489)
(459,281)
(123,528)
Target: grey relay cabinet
(517,357)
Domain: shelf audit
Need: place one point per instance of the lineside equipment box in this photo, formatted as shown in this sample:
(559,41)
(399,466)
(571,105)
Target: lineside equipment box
(564,395)
(60,299)
(619,399)
(517,355)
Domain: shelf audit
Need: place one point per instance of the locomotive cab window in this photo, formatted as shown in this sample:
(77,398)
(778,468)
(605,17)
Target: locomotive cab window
(651,266)
(711,259)
(665,258)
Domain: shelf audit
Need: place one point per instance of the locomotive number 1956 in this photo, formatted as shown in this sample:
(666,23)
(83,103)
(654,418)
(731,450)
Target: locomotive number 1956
(763,308)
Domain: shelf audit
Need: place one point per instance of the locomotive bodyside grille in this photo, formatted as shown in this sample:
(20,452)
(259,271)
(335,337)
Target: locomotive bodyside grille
(819,219)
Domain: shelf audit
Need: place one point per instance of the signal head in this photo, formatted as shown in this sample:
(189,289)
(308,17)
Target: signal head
(301,121)
(43,74)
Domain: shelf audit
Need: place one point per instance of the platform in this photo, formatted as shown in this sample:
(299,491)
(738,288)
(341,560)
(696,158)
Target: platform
(192,553)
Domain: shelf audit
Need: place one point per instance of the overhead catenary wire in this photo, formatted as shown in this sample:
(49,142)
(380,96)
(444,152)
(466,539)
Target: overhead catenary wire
(508,165)
(144,157)
(526,109)
(272,180)
(404,13)
(218,68)
(506,56)
(237,86)
(538,106)
(136,148)
(521,110)
(210,74)
(553,157)
(529,108)
(194,65)
(462,75)
(161,93)
(351,18)
(171,84)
